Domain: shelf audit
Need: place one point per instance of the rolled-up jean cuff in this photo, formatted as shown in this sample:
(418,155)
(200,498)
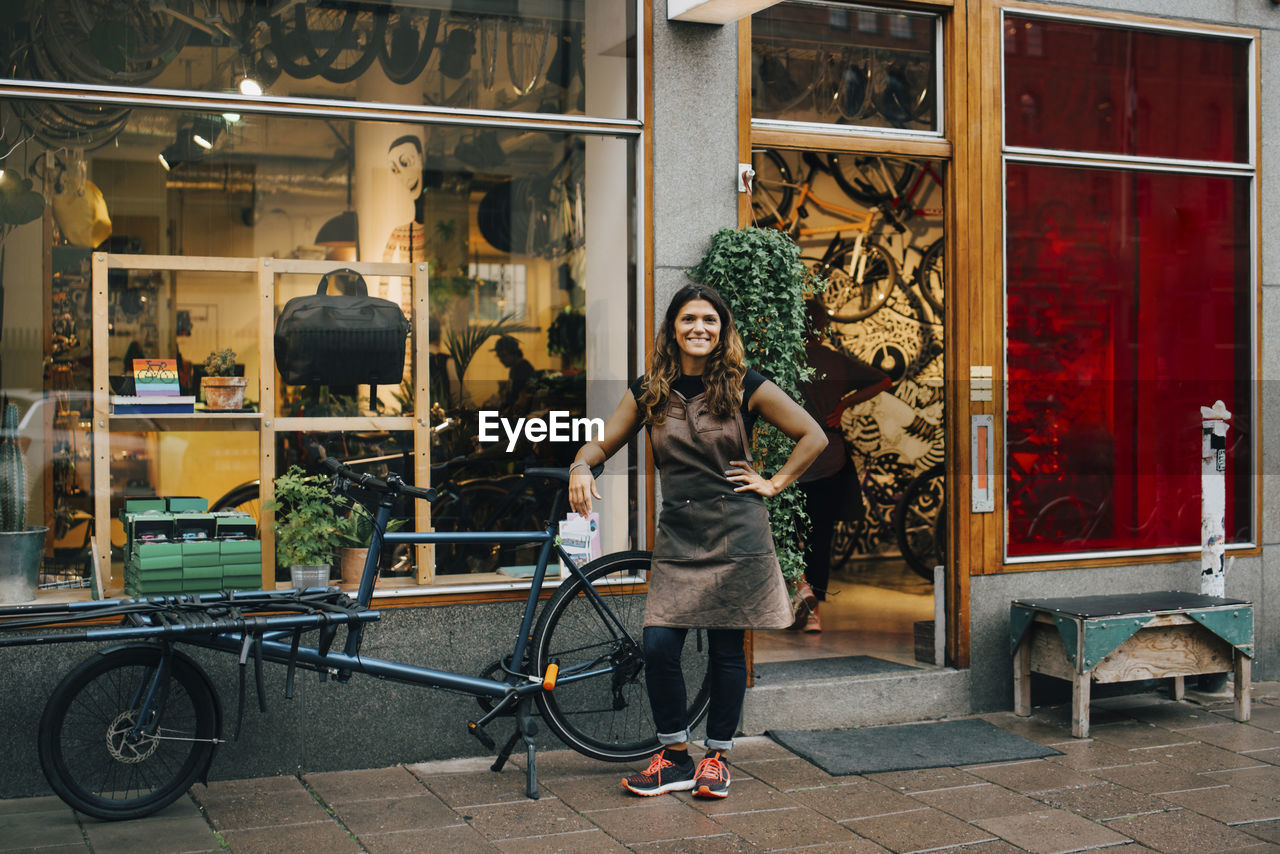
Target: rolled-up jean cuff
(717,744)
(673,737)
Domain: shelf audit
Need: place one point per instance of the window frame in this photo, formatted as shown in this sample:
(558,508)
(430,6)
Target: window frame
(1101,160)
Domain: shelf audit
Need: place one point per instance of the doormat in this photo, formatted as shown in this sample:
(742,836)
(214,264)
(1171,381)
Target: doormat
(906,747)
(804,670)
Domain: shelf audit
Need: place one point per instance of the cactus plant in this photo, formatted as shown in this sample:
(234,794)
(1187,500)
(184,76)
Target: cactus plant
(13,474)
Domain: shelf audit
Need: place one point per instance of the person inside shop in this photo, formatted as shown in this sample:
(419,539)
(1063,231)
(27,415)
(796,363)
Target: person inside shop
(714,565)
(408,242)
(517,393)
(831,490)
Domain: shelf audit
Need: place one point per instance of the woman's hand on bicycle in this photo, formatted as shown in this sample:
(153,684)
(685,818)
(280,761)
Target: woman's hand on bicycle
(582,488)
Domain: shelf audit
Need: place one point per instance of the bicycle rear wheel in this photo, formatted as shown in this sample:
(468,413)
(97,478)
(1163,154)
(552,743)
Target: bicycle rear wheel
(848,301)
(771,189)
(243,498)
(606,716)
(919,521)
(88,750)
(871,180)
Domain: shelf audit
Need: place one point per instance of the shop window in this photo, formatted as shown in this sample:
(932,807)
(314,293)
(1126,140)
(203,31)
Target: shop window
(1129,294)
(1084,87)
(851,66)
(569,58)
(513,287)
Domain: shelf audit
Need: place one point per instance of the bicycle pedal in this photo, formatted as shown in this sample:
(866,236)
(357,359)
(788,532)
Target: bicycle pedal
(484,738)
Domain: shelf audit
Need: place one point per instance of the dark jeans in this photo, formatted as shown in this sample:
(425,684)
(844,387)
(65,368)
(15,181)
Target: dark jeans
(727,667)
(830,500)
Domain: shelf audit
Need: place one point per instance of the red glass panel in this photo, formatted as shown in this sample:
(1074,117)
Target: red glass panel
(1086,87)
(1128,309)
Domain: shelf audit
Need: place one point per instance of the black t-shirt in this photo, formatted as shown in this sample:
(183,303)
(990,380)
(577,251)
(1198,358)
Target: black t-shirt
(692,386)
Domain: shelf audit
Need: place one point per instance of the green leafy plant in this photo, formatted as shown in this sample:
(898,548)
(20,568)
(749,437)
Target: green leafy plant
(221,363)
(307,521)
(567,335)
(759,273)
(355,529)
(13,474)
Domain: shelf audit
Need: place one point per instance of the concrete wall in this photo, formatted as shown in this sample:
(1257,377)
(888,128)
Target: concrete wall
(694,140)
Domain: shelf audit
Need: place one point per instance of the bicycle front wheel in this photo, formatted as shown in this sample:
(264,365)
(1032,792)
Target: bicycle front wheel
(606,715)
(96,757)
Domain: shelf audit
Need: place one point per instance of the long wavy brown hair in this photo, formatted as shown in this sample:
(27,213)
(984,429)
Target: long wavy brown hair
(725,365)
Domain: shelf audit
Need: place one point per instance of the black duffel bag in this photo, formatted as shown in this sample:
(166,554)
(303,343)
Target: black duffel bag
(348,340)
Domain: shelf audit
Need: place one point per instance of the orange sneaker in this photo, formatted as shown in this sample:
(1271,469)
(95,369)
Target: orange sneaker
(712,779)
(663,775)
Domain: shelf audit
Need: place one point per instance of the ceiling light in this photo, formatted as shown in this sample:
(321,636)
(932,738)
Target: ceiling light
(249,86)
(201,141)
(231,118)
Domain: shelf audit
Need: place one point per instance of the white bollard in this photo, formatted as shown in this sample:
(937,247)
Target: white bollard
(1213,498)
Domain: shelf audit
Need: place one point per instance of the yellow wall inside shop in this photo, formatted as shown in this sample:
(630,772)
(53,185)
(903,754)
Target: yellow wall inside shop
(206,463)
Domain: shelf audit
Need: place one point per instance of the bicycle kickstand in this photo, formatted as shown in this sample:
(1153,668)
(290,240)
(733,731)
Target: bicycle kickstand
(526,729)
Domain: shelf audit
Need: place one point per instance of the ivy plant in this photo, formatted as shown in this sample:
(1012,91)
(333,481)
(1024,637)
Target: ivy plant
(759,273)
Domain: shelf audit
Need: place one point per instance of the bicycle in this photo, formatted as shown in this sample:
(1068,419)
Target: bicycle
(920,521)
(128,730)
(861,273)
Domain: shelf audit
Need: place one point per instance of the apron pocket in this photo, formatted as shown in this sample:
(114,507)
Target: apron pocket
(682,532)
(746,527)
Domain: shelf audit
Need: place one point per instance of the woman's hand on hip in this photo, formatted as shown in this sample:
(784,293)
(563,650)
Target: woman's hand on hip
(582,488)
(750,480)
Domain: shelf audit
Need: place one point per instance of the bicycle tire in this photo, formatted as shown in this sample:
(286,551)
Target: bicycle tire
(243,498)
(916,522)
(930,275)
(851,173)
(773,186)
(82,744)
(606,717)
(846,300)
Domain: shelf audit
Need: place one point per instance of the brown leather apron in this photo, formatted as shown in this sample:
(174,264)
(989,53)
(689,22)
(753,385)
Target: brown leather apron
(713,560)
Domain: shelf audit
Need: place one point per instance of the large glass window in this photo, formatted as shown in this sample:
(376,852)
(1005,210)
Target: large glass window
(1129,293)
(524,237)
(853,66)
(549,57)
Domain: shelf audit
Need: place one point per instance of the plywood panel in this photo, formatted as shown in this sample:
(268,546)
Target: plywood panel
(1165,651)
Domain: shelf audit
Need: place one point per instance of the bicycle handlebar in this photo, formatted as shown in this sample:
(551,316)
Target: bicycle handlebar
(392,485)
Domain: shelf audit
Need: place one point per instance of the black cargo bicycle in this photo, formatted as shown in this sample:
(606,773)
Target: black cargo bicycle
(132,727)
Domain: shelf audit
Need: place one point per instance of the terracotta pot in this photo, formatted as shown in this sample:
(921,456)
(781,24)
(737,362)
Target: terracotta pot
(352,564)
(223,392)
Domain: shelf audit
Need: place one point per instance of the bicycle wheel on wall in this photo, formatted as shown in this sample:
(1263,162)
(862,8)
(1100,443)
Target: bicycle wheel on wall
(846,299)
(771,189)
(243,498)
(919,521)
(606,716)
(871,180)
(89,752)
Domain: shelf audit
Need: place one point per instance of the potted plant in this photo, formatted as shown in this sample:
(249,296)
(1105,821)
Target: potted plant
(21,545)
(355,529)
(306,528)
(221,388)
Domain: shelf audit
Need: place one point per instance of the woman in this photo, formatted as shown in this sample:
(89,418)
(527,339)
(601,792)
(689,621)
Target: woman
(714,566)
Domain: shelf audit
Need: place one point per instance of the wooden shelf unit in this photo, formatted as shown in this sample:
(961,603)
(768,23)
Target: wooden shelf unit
(265,421)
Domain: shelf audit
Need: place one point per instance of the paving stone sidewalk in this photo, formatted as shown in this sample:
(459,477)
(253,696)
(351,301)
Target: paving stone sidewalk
(1157,775)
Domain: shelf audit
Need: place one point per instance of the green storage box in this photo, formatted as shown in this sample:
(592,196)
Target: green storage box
(201,553)
(232,523)
(240,550)
(186,504)
(201,573)
(197,526)
(144,505)
(149,556)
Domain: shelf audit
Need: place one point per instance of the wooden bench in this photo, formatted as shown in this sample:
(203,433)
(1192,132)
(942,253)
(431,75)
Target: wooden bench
(1128,637)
